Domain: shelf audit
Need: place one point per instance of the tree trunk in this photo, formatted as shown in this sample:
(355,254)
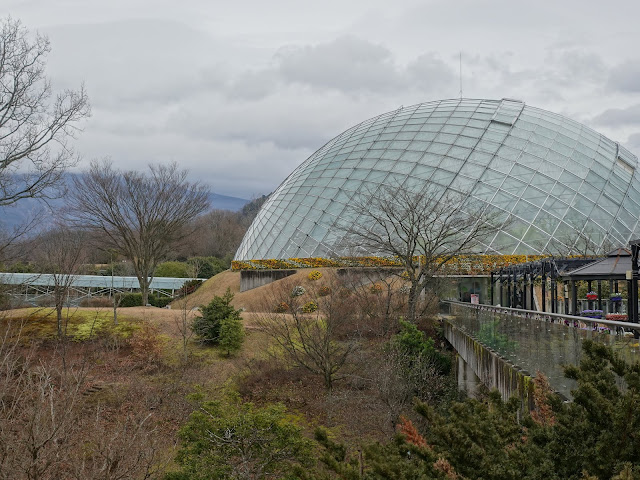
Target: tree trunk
(115,310)
(144,288)
(411,307)
(328,381)
(59,318)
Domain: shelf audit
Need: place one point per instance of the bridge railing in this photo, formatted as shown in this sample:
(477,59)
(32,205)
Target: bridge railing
(541,341)
(613,327)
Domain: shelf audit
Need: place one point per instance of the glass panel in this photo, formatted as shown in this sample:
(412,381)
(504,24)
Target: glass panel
(391,154)
(491,177)
(480,157)
(451,164)
(583,205)
(459,152)
(501,165)
(545,222)
(462,183)
(422,171)
(471,170)
(555,206)
(426,136)
(525,211)
(509,153)
(513,186)
(439,148)
(483,192)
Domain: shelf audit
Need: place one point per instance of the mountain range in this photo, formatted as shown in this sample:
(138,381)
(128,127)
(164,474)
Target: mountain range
(23,210)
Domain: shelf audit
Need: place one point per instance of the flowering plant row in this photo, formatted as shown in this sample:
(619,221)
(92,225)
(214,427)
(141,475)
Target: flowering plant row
(591,313)
(459,265)
(592,296)
(619,317)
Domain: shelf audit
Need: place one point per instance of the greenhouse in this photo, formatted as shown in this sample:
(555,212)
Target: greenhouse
(554,181)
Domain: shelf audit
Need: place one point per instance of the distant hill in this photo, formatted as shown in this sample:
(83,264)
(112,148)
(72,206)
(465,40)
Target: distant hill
(25,209)
(224,202)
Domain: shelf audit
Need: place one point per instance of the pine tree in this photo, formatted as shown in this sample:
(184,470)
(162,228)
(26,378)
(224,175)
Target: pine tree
(207,327)
(231,333)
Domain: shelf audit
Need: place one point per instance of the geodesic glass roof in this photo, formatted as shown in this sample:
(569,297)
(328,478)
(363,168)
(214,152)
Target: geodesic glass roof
(553,179)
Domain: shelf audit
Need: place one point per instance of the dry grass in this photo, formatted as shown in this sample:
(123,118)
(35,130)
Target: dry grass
(352,408)
(251,300)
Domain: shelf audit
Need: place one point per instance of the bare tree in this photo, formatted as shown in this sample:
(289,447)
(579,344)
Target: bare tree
(183,317)
(423,230)
(38,411)
(61,252)
(314,329)
(49,430)
(34,128)
(380,298)
(583,240)
(142,216)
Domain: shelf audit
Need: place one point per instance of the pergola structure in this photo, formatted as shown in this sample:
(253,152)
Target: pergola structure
(516,282)
(613,268)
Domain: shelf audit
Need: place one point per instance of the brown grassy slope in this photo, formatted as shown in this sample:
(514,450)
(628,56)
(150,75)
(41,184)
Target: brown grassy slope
(216,285)
(251,300)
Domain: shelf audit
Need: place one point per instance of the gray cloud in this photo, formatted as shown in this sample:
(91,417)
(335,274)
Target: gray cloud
(633,143)
(346,63)
(625,77)
(242,100)
(431,71)
(619,116)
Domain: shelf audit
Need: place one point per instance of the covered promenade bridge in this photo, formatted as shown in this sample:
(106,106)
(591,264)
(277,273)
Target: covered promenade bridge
(505,347)
(35,288)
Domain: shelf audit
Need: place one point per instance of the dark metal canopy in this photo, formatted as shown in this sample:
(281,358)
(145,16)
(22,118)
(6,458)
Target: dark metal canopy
(612,267)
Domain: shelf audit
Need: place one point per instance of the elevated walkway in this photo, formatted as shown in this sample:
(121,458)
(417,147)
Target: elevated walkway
(33,288)
(506,347)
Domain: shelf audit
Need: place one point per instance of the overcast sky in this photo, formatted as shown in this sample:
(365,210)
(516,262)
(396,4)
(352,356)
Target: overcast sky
(241,92)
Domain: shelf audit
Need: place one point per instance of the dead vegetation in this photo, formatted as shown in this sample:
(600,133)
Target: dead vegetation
(120,393)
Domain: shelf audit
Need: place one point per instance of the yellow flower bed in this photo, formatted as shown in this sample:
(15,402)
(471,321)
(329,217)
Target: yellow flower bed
(315,275)
(310,307)
(459,265)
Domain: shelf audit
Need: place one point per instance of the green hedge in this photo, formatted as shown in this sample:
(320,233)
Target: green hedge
(135,300)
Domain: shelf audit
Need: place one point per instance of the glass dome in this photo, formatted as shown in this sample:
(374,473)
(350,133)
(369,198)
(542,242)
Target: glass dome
(555,179)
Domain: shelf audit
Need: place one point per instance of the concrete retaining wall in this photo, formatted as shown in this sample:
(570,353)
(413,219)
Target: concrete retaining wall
(491,368)
(256,278)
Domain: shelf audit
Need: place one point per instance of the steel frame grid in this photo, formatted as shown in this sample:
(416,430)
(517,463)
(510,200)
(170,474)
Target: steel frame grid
(442,113)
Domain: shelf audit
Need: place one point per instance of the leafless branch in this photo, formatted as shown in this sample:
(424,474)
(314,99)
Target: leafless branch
(35,131)
(140,216)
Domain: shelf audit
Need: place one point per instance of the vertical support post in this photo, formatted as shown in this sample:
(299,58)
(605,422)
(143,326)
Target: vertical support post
(599,294)
(574,298)
(611,306)
(635,250)
(629,300)
(491,286)
(531,295)
(554,289)
(543,302)
(589,302)
(524,289)
(514,302)
(508,302)
(501,304)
